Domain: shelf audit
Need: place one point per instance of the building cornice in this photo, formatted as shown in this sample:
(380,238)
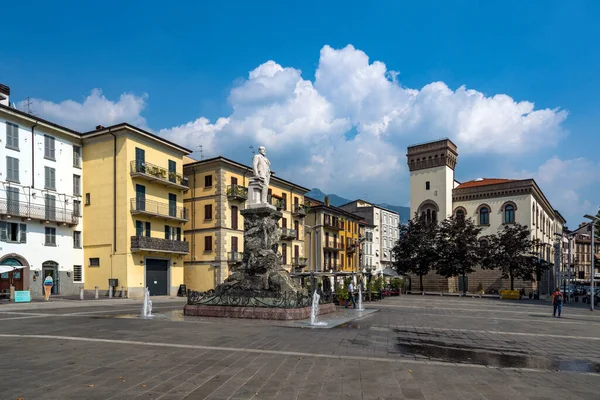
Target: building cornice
(32,119)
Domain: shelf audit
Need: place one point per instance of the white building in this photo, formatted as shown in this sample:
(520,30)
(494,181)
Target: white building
(40,202)
(368,247)
(490,203)
(385,230)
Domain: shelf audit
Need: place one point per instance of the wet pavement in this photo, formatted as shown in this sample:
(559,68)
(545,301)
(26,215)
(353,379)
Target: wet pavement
(414,347)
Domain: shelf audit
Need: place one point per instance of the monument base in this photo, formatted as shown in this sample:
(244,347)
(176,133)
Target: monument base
(254,312)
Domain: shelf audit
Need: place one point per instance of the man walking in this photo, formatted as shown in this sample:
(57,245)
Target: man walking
(557,302)
(350,295)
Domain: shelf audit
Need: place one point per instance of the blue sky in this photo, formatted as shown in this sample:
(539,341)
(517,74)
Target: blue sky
(338,89)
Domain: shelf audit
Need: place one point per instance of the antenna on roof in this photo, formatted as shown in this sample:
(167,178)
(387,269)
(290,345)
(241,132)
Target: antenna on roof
(28,105)
(252,149)
(201,153)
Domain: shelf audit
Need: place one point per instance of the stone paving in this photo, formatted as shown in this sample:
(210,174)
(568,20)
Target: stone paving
(415,347)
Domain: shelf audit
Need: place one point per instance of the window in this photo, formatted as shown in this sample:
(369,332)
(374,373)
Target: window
(484,216)
(140,197)
(77,274)
(88,199)
(139,228)
(284,254)
(284,222)
(172,205)
(77,156)
(77,208)
(94,262)
(208,181)
(77,185)
(50,178)
(284,195)
(50,207)
(297,229)
(12,201)
(13,232)
(140,160)
(178,234)
(76,239)
(172,233)
(208,211)
(460,215)
(234,217)
(49,151)
(12,169)
(50,236)
(172,171)
(234,181)
(12,136)
(427,185)
(509,214)
(148,230)
(234,244)
(208,243)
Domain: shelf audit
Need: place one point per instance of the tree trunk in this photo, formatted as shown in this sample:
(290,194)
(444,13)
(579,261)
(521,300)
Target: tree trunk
(512,282)
(464,281)
(421,281)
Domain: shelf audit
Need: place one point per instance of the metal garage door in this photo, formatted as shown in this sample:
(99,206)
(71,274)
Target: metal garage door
(157,278)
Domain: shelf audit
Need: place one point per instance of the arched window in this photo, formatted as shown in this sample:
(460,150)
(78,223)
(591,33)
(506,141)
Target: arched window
(484,216)
(509,214)
(460,215)
(433,216)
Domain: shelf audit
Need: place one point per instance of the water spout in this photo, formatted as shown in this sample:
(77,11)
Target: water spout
(314,311)
(147,307)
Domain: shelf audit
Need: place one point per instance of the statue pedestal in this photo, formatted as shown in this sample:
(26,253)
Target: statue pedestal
(255,189)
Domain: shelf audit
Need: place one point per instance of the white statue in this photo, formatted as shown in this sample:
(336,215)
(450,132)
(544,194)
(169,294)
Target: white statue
(261,167)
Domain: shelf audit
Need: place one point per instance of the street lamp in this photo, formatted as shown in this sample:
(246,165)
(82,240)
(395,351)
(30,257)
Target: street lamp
(594,220)
(569,235)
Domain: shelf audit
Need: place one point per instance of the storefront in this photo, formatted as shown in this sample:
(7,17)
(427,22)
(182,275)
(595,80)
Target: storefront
(13,272)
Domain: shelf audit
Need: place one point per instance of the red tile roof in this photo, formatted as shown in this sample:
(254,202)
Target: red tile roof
(483,182)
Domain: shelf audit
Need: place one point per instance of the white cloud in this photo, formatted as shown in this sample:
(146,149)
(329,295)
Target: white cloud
(95,110)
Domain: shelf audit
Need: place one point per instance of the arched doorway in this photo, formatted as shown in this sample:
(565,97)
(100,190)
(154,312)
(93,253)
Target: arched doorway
(18,274)
(51,268)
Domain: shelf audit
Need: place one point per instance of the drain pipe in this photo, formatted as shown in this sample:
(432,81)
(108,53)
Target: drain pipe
(114,201)
(33,156)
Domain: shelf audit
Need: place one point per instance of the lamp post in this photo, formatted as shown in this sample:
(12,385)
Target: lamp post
(594,220)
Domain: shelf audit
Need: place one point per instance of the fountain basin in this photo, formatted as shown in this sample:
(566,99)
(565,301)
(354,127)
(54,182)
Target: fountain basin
(255,312)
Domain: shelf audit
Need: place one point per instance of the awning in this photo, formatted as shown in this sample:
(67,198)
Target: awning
(389,272)
(9,268)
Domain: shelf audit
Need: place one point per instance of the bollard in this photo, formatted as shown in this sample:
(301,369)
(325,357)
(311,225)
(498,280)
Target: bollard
(81,294)
(122,291)
(96,295)
(110,292)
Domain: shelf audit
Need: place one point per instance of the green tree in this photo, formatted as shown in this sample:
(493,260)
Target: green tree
(414,251)
(458,248)
(512,252)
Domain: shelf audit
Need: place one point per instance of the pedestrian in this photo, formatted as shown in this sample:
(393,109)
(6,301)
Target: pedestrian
(48,282)
(557,302)
(350,295)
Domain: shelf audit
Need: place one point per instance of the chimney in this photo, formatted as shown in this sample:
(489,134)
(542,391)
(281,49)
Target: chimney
(4,95)
(99,127)
(327,201)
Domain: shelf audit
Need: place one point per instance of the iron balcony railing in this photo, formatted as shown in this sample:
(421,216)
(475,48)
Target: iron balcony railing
(237,192)
(333,223)
(157,209)
(288,234)
(278,203)
(332,245)
(235,257)
(162,175)
(299,210)
(21,209)
(145,243)
(300,262)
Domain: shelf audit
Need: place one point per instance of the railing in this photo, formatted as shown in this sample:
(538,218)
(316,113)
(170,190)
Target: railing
(299,210)
(278,203)
(237,192)
(333,223)
(300,262)
(143,206)
(139,243)
(148,170)
(351,248)
(330,244)
(234,257)
(287,233)
(39,212)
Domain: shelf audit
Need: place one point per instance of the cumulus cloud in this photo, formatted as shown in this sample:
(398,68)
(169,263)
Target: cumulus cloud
(95,110)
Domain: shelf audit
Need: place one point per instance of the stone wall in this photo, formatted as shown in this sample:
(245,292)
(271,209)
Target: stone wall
(66,286)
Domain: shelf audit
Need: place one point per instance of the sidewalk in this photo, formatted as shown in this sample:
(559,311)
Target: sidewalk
(40,304)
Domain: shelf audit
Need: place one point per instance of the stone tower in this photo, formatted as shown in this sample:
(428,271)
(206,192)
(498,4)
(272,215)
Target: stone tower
(431,168)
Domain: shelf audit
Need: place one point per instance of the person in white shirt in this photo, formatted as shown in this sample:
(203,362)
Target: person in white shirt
(350,295)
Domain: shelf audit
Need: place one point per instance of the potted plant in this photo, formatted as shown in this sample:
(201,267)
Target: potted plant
(341,295)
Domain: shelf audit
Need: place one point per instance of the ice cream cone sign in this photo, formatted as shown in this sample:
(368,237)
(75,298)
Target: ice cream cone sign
(48,282)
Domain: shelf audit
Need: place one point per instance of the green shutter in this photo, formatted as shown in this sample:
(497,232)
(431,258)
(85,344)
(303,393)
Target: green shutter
(3,231)
(23,233)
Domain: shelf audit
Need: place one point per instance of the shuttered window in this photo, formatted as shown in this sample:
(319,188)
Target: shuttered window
(77,156)
(49,149)
(234,217)
(208,243)
(234,244)
(50,236)
(12,169)
(77,274)
(49,178)
(76,239)
(12,136)
(77,185)
(208,211)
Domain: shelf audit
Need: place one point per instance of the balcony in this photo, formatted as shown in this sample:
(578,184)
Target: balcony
(237,192)
(234,257)
(288,234)
(158,210)
(333,245)
(27,211)
(333,223)
(154,173)
(145,243)
(351,248)
(300,262)
(299,210)
(277,202)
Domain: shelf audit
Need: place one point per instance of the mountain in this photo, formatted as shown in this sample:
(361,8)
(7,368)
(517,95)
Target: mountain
(337,201)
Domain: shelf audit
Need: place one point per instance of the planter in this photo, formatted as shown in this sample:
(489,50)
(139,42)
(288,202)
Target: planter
(510,294)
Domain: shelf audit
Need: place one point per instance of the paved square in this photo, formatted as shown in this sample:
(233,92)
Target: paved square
(414,348)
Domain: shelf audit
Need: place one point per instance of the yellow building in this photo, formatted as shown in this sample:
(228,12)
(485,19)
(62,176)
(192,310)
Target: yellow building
(218,192)
(134,215)
(333,237)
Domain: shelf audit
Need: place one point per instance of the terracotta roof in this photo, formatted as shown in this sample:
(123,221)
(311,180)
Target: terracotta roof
(483,182)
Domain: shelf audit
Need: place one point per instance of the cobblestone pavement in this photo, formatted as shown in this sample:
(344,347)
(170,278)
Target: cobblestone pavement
(415,347)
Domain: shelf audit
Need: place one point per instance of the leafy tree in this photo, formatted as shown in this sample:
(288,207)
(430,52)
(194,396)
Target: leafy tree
(598,227)
(414,251)
(458,248)
(511,251)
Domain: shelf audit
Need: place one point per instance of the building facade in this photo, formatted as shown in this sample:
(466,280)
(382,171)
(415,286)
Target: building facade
(218,192)
(334,243)
(582,261)
(40,202)
(134,214)
(490,203)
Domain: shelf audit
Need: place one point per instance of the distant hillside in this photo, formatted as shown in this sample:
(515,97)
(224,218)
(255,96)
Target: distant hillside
(337,201)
